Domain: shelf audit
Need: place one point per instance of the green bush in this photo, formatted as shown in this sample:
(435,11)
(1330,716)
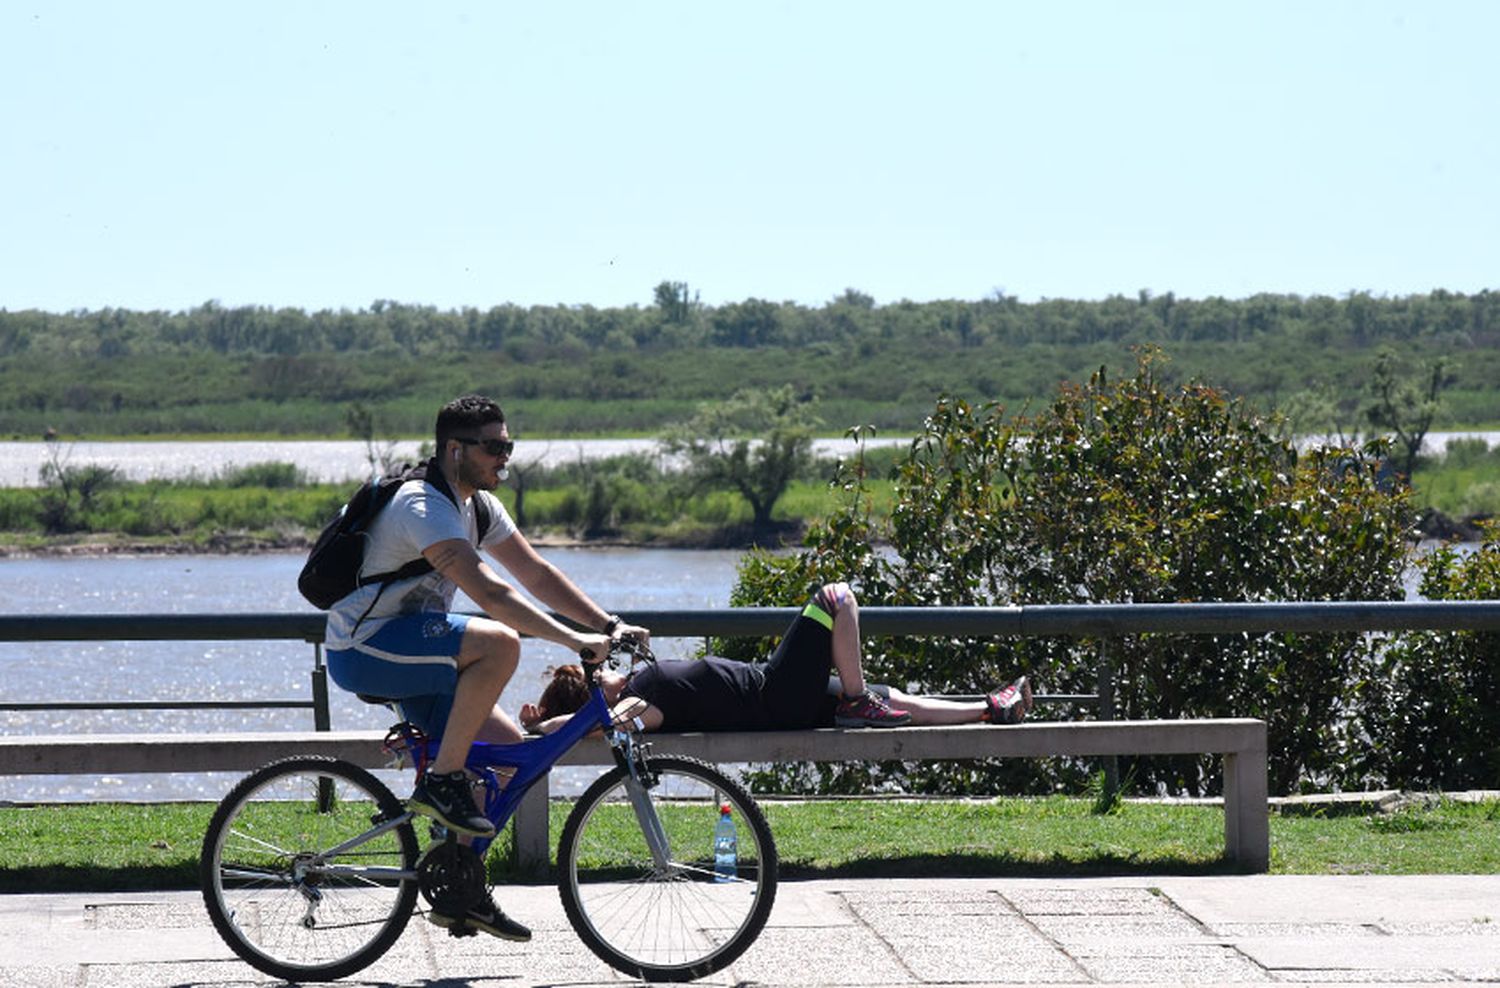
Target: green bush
(1481,500)
(277,476)
(1120,492)
(1469,451)
(71,495)
(1432,709)
(20,510)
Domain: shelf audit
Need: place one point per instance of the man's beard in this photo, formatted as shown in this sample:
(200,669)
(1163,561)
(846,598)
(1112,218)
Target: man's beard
(478,478)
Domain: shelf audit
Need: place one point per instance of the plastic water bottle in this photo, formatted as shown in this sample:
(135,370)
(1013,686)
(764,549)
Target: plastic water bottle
(726,847)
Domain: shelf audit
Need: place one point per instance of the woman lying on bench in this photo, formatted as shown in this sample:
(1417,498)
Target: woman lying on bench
(791,691)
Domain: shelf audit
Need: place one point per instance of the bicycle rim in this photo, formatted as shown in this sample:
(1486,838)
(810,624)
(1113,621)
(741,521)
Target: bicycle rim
(670,923)
(267,881)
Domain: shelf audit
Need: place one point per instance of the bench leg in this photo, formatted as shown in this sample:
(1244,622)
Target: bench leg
(1247,824)
(533,845)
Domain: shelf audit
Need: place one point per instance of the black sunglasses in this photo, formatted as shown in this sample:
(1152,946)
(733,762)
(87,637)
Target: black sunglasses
(494,447)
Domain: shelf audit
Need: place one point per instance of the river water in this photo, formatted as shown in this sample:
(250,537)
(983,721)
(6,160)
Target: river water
(619,578)
(333,461)
(330,461)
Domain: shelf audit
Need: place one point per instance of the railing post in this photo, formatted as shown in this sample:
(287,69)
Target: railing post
(1105,687)
(322,721)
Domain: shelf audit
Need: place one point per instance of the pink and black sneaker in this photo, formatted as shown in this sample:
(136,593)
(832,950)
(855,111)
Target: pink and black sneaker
(868,710)
(1010,705)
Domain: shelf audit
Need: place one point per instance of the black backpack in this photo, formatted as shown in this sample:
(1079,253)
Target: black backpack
(331,572)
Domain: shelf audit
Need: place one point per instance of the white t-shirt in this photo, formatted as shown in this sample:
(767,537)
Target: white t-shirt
(418,516)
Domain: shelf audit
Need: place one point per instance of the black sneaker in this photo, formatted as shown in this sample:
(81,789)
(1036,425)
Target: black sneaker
(449,799)
(486,918)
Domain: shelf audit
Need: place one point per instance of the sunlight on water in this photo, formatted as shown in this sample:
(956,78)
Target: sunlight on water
(621,579)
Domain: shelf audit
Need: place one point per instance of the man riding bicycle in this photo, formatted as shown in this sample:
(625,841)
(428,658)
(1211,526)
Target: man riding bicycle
(401,641)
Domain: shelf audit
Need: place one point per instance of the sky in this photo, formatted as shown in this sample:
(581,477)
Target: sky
(326,155)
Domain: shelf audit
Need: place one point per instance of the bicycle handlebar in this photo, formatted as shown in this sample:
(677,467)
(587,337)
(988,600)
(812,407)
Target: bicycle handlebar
(636,648)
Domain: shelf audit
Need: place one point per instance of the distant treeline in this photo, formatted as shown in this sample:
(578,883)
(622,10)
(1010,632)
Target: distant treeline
(582,369)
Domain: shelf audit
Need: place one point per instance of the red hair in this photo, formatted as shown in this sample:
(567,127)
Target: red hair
(565,694)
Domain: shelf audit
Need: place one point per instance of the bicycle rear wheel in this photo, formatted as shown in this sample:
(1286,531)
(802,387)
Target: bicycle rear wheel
(673,921)
(281,895)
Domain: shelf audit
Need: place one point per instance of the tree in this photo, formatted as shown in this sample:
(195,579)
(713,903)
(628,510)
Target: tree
(751,323)
(1325,413)
(854,298)
(360,419)
(69,493)
(1406,405)
(672,298)
(755,444)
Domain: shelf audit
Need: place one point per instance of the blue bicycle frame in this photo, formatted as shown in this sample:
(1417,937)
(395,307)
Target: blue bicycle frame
(531,760)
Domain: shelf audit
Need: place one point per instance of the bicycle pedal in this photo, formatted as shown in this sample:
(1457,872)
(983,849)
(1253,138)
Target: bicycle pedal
(462,930)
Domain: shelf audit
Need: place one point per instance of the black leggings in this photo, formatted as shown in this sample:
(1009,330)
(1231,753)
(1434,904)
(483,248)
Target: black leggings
(796,687)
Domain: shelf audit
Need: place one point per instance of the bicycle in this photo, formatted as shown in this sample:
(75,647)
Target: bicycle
(310,867)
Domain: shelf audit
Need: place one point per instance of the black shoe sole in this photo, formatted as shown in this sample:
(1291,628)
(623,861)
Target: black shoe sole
(448,922)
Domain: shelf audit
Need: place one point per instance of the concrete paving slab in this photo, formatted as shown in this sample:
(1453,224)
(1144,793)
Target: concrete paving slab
(970,932)
(1083,929)
(158,914)
(15,976)
(1345,898)
(179,974)
(1090,901)
(554,956)
(1009,961)
(1252,931)
(950,929)
(1344,976)
(1377,952)
(1212,965)
(856,956)
(929,902)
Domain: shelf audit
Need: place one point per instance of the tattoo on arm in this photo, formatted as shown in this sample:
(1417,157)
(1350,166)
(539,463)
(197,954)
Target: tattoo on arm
(444,557)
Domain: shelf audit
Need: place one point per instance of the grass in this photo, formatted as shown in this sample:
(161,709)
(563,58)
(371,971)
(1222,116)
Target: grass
(138,847)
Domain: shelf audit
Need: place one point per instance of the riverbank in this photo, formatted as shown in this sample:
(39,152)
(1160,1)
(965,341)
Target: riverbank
(94,544)
(1432,525)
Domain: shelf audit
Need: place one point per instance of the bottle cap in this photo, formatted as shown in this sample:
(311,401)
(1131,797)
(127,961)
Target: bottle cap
(724,808)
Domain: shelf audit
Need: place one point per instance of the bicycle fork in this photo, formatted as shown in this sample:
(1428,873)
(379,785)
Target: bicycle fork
(637,789)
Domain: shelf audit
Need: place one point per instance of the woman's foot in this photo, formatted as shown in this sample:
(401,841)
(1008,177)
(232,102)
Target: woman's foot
(1010,705)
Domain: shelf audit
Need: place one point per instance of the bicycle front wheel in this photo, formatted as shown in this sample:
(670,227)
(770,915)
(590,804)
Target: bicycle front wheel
(305,873)
(672,917)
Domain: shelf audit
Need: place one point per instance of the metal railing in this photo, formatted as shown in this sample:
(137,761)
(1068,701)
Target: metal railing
(1100,621)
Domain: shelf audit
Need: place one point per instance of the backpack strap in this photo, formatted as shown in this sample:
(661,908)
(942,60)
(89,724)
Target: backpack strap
(481,517)
(432,474)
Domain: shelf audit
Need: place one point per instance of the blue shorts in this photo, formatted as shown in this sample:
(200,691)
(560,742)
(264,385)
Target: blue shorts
(412,661)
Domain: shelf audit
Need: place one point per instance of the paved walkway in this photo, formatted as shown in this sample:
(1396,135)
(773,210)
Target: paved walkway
(1198,930)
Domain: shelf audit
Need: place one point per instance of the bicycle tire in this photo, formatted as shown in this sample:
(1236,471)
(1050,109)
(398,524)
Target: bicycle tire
(259,875)
(672,925)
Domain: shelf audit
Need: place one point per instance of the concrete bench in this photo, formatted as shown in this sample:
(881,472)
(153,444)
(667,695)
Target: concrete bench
(124,754)
(1241,743)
